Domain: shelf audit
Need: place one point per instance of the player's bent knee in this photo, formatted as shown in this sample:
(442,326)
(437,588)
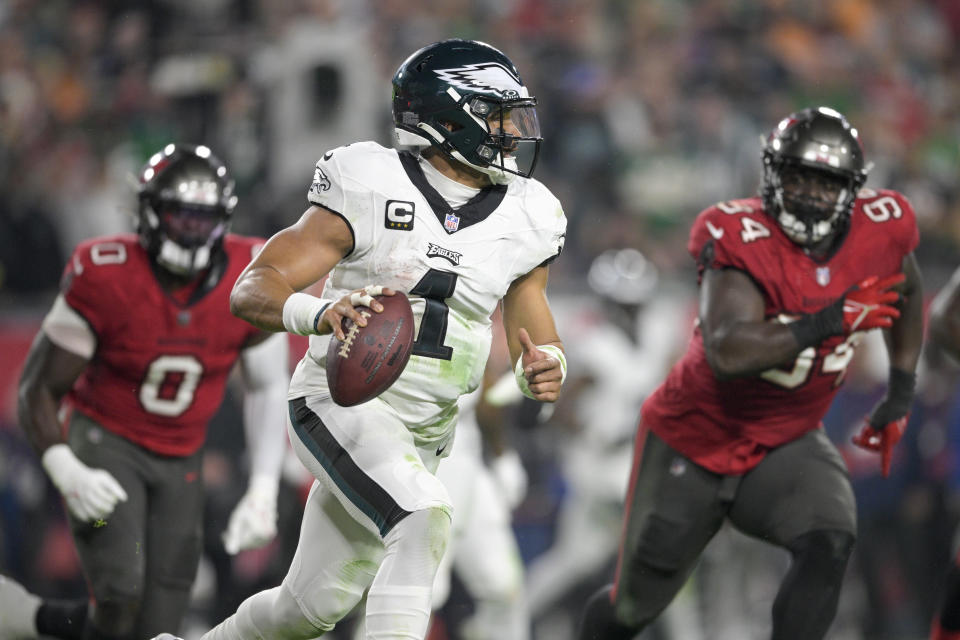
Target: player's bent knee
(439,526)
(179,571)
(326,604)
(309,619)
(430,526)
(828,549)
(653,572)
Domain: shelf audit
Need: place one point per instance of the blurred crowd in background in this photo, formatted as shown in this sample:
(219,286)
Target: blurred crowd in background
(651,111)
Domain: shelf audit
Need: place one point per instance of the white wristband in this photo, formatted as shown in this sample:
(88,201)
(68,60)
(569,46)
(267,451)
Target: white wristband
(551,350)
(301,313)
(264,484)
(59,457)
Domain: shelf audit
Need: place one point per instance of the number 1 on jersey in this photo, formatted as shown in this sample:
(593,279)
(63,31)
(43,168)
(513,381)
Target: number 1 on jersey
(434,287)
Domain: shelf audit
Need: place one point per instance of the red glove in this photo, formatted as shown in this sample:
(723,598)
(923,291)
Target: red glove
(866,306)
(883,439)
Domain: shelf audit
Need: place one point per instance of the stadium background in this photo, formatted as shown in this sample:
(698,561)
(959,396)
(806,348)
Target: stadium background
(650,112)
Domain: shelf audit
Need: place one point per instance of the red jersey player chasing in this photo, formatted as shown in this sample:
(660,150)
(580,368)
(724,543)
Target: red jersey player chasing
(788,282)
(138,345)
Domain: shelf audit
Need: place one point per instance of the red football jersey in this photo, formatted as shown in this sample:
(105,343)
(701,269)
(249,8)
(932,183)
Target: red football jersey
(728,426)
(160,367)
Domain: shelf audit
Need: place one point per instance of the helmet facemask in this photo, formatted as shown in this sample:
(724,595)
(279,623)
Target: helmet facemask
(809,203)
(500,138)
(187,235)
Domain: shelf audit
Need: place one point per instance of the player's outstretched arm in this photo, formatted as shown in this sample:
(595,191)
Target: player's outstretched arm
(885,425)
(48,375)
(265,372)
(532,337)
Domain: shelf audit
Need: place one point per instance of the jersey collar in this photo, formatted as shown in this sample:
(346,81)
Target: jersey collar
(477,209)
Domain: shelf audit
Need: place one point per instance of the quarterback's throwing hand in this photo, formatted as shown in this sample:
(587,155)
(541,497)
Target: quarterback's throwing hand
(867,305)
(331,320)
(882,438)
(543,371)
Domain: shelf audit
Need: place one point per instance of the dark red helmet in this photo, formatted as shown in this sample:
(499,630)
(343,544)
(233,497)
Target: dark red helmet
(813,167)
(186,199)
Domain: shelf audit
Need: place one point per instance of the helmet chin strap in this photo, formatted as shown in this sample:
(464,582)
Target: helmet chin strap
(493,171)
(409,139)
(496,174)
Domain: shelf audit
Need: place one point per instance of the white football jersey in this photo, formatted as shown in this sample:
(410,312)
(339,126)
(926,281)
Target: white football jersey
(454,264)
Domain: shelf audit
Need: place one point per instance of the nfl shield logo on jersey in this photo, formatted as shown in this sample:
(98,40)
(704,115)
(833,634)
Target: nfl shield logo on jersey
(823,276)
(451,223)
(678,467)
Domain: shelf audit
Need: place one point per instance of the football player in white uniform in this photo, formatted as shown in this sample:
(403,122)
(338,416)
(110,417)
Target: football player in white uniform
(460,229)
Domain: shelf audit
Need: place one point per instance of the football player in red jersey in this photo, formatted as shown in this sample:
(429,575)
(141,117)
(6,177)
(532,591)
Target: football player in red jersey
(788,282)
(945,332)
(138,347)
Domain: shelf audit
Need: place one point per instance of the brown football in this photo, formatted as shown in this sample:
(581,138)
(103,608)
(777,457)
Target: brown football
(371,358)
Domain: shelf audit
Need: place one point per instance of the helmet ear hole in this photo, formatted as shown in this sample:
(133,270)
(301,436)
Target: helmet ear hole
(450,125)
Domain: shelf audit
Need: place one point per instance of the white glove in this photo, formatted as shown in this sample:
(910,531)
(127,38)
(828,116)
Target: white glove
(91,494)
(253,522)
(510,476)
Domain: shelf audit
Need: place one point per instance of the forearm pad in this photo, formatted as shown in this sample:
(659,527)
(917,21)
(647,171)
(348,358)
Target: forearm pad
(896,404)
(813,328)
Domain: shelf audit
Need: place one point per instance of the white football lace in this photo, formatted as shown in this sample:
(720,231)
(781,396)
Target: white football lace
(351,336)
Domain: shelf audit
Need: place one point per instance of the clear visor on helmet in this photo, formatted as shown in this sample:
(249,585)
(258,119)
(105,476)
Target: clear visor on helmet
(514,134)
